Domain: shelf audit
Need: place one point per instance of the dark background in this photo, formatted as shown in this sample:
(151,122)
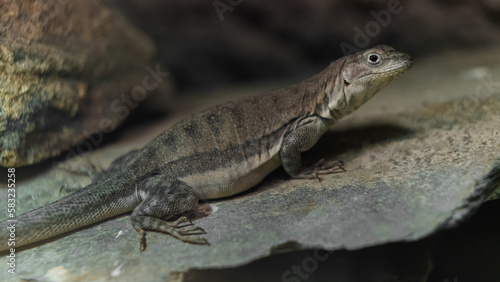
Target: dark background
(258,40)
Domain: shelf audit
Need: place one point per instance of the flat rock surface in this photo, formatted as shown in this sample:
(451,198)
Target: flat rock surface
(420,157)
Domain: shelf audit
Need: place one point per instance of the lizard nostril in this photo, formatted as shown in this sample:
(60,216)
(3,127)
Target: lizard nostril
(346,83)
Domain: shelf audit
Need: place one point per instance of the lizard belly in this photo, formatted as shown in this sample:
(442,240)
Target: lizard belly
(226,182)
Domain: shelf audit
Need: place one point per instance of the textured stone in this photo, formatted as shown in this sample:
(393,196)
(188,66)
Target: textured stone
(62,66)
(420,157)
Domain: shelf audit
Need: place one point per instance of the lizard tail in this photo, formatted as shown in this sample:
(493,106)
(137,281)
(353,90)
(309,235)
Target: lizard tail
(91,204)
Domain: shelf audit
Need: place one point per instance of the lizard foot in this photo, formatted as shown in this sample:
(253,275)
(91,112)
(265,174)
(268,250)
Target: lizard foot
(320,168)
(182,229)
(188,228)
(166,197)
(87,169)
(92,170)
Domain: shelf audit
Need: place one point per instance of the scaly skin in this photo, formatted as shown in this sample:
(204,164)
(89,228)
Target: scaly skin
(217,153)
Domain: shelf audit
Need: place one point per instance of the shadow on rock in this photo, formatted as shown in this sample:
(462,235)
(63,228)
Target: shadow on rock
(334,143)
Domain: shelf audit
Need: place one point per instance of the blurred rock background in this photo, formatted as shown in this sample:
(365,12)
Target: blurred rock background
(204,42)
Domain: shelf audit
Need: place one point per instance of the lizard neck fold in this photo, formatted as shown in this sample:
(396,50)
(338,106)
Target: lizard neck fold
(331,102)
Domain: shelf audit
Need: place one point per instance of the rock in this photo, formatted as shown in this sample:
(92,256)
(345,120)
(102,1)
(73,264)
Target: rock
(421,157)
(65,69)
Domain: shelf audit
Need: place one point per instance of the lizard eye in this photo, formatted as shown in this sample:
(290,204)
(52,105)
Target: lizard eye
(373,59)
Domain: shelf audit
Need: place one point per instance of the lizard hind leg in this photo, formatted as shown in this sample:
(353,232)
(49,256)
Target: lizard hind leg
(166,197)
(94,171)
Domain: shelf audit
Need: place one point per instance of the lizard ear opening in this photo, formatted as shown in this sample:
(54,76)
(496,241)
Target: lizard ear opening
(346,83)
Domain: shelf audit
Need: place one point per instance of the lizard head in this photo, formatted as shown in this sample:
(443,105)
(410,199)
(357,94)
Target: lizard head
(364,73)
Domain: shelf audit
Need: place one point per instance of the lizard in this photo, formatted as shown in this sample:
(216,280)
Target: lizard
(216,153)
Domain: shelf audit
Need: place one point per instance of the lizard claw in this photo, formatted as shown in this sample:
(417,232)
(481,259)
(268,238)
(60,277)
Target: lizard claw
(202,241)
(188,232)
(192,231)
(183,219)
(142,241)
(320,168)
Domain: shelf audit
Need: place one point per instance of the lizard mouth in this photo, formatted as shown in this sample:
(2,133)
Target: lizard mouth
(398,68)
(402,67)
(395,70)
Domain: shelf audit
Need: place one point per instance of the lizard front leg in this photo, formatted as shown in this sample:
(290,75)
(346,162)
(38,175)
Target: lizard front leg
(165,197)
(301,139)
